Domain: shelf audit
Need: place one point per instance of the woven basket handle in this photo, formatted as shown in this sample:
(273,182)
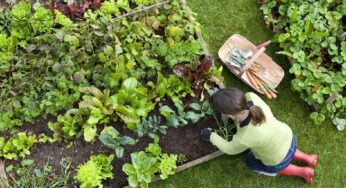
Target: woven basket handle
(252,60)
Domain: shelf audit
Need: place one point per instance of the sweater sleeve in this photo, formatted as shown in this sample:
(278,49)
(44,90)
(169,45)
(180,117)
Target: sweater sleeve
(231,148)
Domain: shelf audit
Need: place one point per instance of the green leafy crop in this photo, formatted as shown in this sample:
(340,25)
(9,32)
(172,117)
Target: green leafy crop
(17,146)
(167,165)
(109,8)
(66,127)
(20,15)
(132,102)
(141,170)
(150,127)
(144,165)
(62,19)
(112,139)
(201,111)
(98,168)
(43,20)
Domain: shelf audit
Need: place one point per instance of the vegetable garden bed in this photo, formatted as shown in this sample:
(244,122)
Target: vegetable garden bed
(185,140)
(124,82)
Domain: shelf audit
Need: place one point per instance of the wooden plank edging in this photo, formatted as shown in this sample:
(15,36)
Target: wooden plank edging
(189,164)
(144,9)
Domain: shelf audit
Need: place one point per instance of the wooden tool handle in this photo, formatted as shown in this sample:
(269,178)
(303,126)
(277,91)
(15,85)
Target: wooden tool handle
(252,60)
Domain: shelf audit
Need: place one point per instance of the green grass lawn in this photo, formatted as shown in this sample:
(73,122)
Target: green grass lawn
(220,19)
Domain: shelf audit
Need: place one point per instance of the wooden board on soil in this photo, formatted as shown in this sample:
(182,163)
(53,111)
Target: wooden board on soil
(183,140)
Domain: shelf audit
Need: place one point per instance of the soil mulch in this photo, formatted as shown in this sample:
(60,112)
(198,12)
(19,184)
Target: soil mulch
(183,140)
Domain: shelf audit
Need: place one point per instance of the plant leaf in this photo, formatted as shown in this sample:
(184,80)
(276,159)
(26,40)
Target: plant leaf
(119,151)
(196,106)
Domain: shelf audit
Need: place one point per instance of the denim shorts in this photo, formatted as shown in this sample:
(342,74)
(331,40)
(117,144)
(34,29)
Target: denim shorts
(257,165)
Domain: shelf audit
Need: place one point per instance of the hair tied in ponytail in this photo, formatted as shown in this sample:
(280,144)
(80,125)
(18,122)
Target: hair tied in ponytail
(257,115)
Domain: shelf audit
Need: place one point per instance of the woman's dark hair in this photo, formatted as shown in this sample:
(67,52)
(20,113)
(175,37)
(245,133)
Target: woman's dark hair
(232,101)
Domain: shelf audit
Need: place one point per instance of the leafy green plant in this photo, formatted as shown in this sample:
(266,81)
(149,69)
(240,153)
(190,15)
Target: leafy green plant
(167,165)
(151,127)
(109,8)
(66,127)
(43,20)
(181,158)
(178,52)
(141,170)
(145,164)
(98,105)
(17,146)
(202,110)
(172,118)
(7,45)
(62,19)
(132,102)
(181,117)
(171,86)
(153,149)
(112,139)
(20,14)
(98,168)
(124,4)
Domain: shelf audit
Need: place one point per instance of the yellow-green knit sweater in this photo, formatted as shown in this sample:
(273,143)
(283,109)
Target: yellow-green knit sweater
(269,141)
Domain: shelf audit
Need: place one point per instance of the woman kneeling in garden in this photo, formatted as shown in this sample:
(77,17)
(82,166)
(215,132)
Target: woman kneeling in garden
(272,144)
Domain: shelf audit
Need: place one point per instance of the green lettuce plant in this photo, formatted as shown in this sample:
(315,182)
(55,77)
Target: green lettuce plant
(141,170)
(95,170)
(144,165)
(42,20)
(109,8)
(167,165)
(16,146)
(132,102)
(66,127)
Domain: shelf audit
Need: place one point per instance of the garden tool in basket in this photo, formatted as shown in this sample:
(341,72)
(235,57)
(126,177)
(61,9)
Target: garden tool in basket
(249,63)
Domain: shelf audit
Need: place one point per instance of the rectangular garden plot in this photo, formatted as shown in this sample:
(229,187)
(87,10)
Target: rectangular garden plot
(121,84)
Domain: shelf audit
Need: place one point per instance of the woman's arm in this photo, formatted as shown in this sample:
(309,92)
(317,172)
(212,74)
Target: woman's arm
(231,148)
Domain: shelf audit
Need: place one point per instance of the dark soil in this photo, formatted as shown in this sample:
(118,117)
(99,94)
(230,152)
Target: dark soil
(184,140)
